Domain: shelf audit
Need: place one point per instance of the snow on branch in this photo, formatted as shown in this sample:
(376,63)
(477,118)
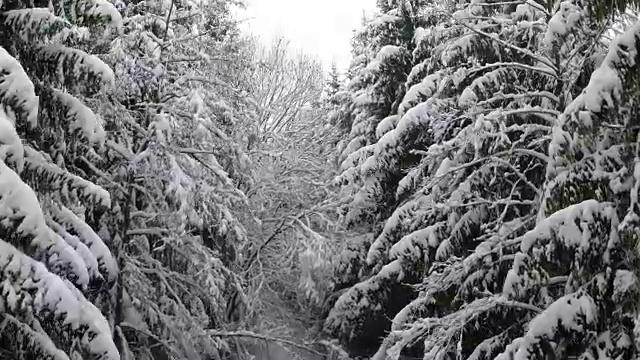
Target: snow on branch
(606,86)
(357,304)
(87,236)
(523,51)
(394,143)
(441,334)
(97,11)
(577,229)
(29,286)
(421,91)
(605,91)
(30,341)
(80,117)
(563,22)
(71,68)
(28,24)
(517,65)
(531,3)
(11,148)
(575,314)
(21,215)
(490,347)
(414,245)
(387,124)
(357,157)
(69,186)
(224,334)
(17,93)
(396,224)
(499,96)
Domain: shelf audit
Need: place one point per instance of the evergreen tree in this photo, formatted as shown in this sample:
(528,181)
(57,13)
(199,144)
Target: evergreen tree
(174,165)
(57,274)
(469,145)
(589,218)
(380,68)
(381,64)
(337,103)
(334,84)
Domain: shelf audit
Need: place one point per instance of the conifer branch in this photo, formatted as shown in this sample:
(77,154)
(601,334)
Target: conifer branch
(523,51)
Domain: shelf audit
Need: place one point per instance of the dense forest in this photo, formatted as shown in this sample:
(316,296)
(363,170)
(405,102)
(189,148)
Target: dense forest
(173,188)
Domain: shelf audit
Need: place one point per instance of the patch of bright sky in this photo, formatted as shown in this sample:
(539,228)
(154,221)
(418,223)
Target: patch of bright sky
(317,27)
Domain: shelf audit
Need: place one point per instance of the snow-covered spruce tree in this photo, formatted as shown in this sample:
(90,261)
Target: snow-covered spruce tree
(339,106)
(380,68)
(174,161)
(488,84)
(586,238)
(381,62)
(335,99)
(333,82)
(56,273)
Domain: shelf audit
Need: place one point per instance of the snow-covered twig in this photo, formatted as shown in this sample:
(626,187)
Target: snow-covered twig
(264,337)
(517,65)
(533,4)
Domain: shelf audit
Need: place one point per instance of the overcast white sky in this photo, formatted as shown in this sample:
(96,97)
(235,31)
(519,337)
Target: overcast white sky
(318,27)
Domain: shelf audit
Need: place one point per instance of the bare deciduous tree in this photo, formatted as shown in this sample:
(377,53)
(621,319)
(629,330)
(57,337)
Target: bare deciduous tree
(284,85)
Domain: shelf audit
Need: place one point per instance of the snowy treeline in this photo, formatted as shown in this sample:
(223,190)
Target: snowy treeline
(493,157)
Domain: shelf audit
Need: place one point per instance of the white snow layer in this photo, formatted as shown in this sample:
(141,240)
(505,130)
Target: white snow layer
(27,279)
(16,87)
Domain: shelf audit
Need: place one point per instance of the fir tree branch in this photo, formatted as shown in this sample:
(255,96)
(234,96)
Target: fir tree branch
(525,52)
(517,65)
(531,3)
(501,97)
